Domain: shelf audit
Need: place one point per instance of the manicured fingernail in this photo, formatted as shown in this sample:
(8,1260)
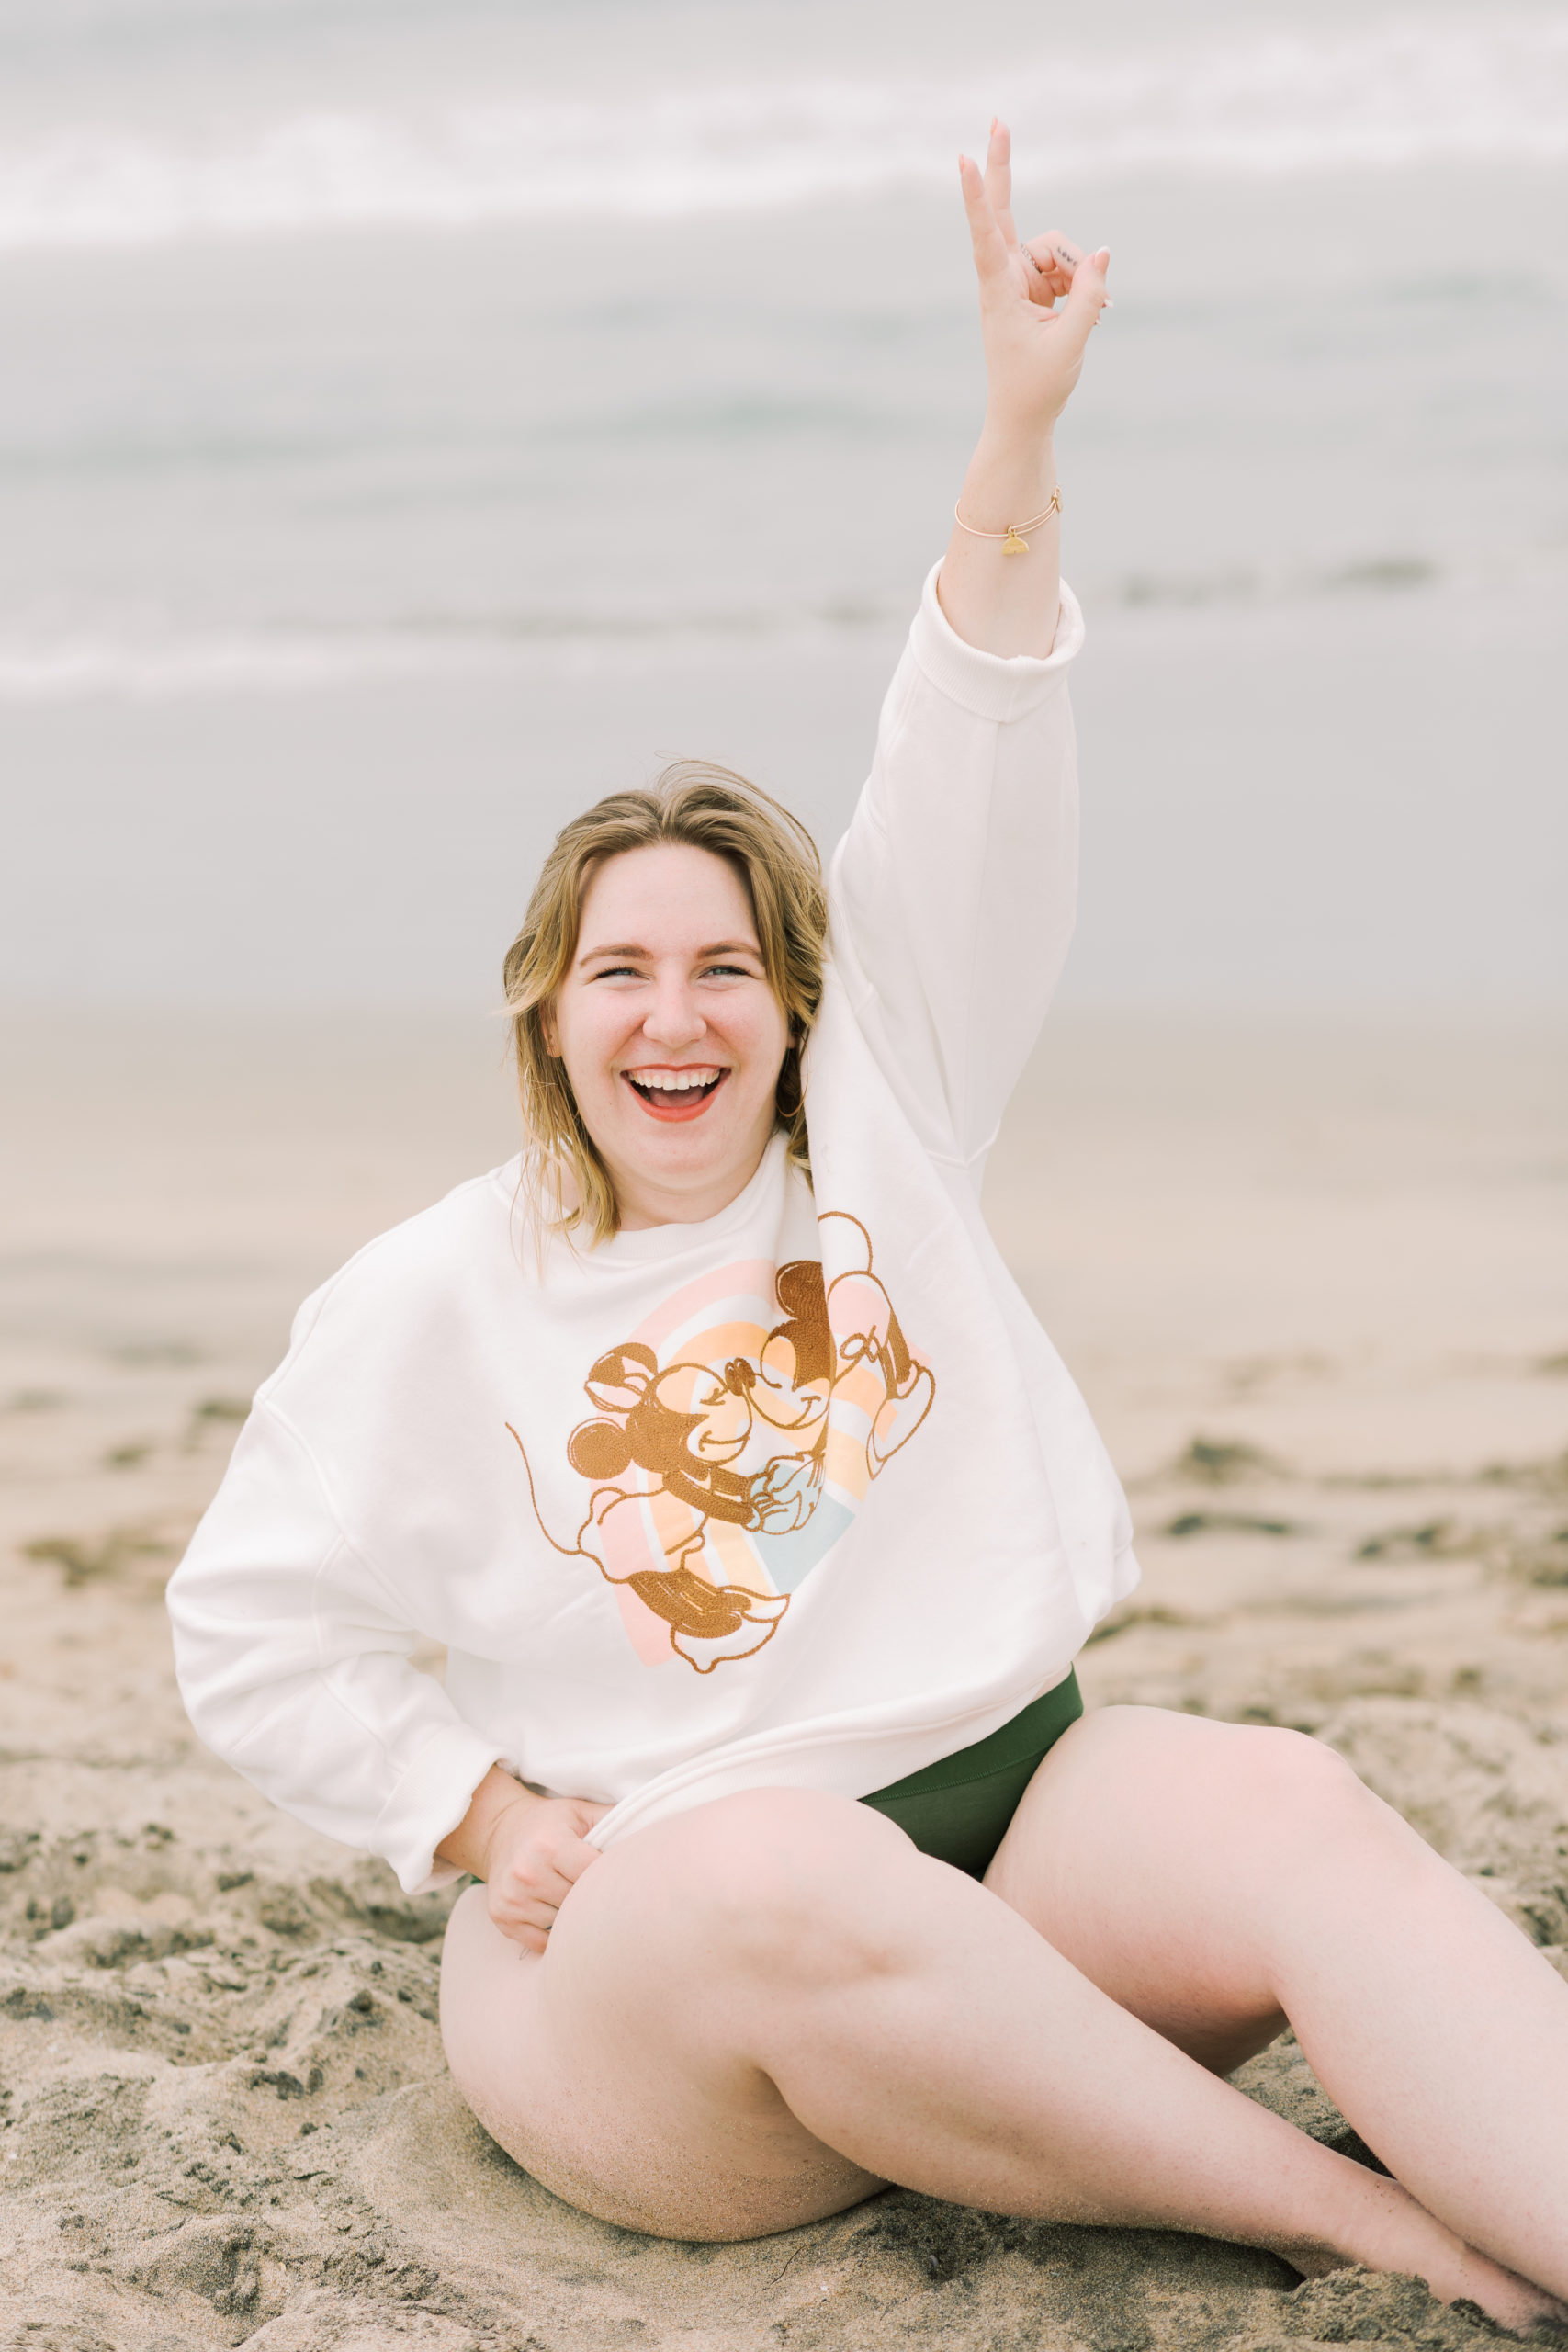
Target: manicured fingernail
(1102,258)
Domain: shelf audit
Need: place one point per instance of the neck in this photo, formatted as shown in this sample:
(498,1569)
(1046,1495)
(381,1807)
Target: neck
(643,1203)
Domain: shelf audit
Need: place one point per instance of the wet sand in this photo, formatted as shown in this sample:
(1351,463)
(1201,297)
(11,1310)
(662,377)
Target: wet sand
(1316,1288)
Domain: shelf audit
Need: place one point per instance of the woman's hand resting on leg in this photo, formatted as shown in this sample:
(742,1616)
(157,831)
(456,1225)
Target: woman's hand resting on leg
(530,1851)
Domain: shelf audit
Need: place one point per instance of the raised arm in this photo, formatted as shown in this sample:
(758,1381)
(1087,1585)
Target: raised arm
(1039,301)
(953,889)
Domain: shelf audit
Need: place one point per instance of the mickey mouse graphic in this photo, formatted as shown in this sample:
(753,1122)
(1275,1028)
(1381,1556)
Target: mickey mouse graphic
(667,1451)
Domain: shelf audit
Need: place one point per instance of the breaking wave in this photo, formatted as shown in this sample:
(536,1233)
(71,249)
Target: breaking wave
(1386,97)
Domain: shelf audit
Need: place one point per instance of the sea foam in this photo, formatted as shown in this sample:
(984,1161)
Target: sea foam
(1385,98)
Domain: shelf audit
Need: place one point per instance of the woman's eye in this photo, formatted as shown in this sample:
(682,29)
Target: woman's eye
(635,972)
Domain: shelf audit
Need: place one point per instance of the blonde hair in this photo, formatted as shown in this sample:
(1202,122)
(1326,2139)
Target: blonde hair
(705,808)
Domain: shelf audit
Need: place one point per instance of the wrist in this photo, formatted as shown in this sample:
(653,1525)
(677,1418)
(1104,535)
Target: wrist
(1009,476)
(1014,441)
(469,1846)
(1007,457)
(503,1825)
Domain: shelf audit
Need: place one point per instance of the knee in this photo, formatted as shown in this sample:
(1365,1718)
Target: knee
(480,1979)
(467,1930)
(1245,1782)
(1292,1768)
(1301,1789)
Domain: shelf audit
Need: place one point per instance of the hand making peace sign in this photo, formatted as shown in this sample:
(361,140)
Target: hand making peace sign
(1033,350)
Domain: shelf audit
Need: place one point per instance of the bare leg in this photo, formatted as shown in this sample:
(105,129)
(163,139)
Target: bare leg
(1215,1880)
(757,2013)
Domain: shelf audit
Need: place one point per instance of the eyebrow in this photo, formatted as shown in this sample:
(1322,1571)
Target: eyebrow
(631,947)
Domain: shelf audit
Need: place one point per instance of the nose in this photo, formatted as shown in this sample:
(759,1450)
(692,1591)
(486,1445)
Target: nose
(674,1020)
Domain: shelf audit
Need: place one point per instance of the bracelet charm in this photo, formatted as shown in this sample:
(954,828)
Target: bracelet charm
(1012,540)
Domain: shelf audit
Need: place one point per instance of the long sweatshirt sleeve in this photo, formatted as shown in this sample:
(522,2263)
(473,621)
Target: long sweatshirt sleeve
(294,1661)
(954,888)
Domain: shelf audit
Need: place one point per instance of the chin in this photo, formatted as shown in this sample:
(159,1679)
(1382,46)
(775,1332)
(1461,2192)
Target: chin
(700,1153)
(679,1155)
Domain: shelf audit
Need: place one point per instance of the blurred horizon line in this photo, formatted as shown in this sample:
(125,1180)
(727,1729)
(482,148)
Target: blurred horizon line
(1389,97)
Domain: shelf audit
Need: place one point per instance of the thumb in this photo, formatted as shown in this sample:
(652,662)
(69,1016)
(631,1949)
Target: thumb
(586,1812)
(1087,296)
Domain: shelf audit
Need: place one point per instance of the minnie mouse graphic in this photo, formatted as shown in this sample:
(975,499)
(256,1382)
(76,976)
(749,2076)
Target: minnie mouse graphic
(697,1470)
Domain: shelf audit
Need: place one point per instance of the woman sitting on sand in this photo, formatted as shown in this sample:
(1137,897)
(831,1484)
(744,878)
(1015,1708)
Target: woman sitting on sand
(762,1525)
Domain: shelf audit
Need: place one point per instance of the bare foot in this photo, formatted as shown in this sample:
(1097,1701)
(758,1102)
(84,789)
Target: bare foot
(1501,2294)
(1398,2235)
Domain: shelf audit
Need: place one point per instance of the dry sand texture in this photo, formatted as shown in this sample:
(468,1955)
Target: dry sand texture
(1315,1291)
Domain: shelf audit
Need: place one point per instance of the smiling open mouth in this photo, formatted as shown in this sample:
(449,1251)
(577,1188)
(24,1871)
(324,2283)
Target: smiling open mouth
(676,1093)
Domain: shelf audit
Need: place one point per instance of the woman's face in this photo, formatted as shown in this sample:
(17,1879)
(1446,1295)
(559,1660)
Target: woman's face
(672,1037)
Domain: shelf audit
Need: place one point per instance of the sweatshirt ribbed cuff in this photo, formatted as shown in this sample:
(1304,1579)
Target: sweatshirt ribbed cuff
(427,1804)
(990,684)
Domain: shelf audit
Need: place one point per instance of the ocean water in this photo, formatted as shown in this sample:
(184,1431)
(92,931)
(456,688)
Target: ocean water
(419,416)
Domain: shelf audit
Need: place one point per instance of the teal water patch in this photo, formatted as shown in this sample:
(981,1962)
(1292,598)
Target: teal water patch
(789,1559)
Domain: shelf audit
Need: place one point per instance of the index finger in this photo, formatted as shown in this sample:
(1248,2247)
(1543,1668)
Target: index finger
(990,246)
(575,1854)
(999,179)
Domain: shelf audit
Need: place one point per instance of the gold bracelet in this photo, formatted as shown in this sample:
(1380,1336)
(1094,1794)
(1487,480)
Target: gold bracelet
(1012,538)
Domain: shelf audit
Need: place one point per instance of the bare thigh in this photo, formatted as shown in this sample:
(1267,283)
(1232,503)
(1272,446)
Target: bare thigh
(1155,1850)
(623,2068)
(615,2068)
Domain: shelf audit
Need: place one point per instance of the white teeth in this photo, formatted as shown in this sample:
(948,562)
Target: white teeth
(672,1082)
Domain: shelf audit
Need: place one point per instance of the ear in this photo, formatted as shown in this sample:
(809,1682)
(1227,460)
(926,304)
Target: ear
(800,1290)
(548,1030)
(599,1450)
(622,1377)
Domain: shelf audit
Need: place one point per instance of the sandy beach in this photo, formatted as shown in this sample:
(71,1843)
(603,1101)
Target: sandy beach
(1316,1287)
(421,417)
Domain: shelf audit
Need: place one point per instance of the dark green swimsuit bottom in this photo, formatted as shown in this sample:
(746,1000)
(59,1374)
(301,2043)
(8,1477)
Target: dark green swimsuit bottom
(959,1809)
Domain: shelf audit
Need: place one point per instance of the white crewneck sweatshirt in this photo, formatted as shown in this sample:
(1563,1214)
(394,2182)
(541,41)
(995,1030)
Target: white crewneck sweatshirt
(797,1496)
